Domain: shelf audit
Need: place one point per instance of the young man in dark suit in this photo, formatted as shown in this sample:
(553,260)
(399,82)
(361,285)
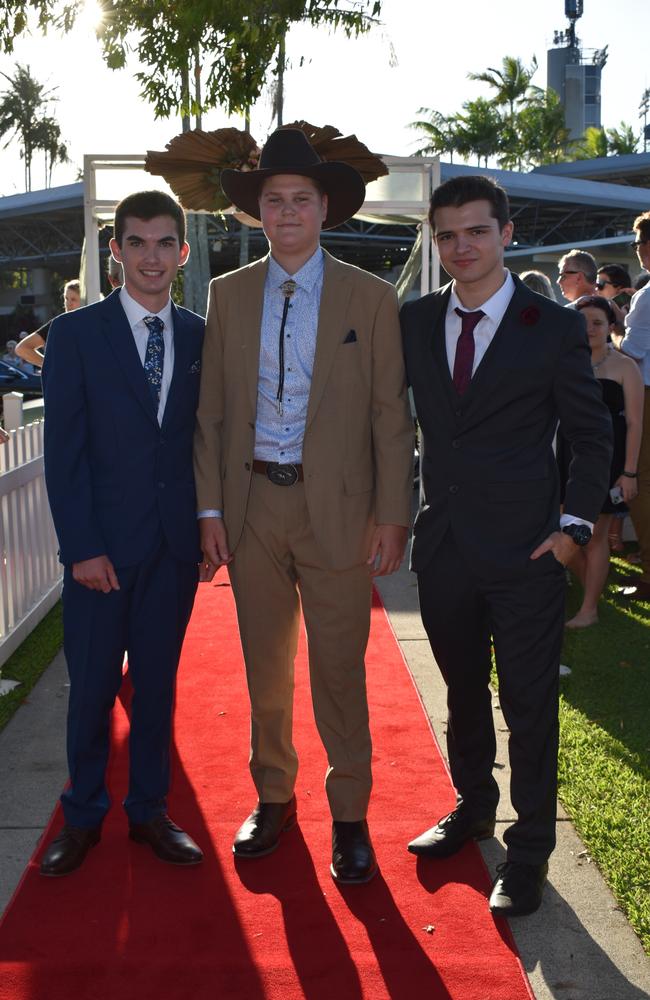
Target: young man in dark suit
(121,381)
(493,367)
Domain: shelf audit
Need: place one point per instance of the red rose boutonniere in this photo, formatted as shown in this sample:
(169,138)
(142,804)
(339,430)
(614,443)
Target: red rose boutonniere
(529,316)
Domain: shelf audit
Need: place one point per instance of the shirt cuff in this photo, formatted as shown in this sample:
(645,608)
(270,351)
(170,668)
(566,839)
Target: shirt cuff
(209,513)
(570,519)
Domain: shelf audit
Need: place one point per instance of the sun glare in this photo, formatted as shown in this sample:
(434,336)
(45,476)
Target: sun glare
(92,14)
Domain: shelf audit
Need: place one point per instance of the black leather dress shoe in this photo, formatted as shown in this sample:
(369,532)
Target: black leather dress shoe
(450,833)
(517,889)
(167,841)
(68,850)
(260,833)
(353,857)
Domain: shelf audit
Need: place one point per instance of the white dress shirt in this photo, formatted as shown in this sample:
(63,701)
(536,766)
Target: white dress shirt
(494,309)
(135,313)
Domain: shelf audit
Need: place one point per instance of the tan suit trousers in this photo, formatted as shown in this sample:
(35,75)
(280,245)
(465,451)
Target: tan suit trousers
(640,506)
(276,567)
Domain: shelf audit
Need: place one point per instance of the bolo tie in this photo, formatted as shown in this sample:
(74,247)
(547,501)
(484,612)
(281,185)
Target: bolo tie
(288,288)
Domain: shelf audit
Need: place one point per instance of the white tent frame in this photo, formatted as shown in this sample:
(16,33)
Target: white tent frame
(417,176)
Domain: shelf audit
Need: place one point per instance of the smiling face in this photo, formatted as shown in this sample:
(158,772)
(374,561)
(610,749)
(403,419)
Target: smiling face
(150,255)
(292,210)
(598,328)
(471,245)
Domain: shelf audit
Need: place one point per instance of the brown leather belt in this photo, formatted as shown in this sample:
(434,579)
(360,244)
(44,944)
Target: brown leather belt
(280,475)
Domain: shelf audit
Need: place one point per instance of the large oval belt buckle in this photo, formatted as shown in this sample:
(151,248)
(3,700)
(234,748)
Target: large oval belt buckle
(281,475)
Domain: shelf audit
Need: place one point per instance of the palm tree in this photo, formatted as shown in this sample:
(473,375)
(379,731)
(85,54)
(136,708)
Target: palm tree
(478,130)
(592,145)
(542,135)
(47,137)
(621,141)
(22,118)
(439,134)
(511,83)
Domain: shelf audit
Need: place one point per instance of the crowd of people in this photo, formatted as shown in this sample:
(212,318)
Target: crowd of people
(275,438)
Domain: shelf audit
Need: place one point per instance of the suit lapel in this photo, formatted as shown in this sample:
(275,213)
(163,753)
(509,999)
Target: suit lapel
(182,360)
(508,341)
(436,333)
(335,296)
(251,307)
(118,332)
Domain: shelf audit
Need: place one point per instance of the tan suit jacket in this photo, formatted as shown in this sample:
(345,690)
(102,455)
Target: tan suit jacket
(358,443)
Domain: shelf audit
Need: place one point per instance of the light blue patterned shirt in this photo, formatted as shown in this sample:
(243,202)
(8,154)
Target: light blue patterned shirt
(636,342)
(278,438)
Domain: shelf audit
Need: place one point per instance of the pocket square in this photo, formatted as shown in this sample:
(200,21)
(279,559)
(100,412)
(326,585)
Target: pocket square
(351,337)
(195,368)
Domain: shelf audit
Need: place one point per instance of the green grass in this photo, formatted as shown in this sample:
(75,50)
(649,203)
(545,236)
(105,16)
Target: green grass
(604,768)
(30,660)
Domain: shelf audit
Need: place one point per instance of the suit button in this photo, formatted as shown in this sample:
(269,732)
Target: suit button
(455,443)
(247,466)
(453,488)
(161,486)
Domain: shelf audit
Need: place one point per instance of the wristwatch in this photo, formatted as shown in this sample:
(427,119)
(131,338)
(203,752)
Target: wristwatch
(579,533)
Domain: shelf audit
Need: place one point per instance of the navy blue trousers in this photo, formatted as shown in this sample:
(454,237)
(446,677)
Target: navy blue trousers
(146,619)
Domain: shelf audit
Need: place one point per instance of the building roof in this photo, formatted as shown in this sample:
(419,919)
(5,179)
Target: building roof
(632,169)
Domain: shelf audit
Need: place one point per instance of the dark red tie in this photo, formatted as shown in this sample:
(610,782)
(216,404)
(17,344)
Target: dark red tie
(464,360)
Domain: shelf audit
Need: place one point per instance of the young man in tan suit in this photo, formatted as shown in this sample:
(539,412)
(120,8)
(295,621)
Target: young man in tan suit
(303,459)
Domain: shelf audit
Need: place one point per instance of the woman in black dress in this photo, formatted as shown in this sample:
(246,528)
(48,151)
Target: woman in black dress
(622,387)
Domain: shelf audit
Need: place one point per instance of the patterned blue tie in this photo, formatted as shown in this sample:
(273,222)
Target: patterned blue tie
(154,356)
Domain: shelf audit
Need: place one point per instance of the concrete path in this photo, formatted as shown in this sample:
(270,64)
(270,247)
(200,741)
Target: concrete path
(578,946)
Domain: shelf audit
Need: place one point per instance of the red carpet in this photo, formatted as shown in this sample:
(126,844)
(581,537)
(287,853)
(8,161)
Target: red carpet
(127,926)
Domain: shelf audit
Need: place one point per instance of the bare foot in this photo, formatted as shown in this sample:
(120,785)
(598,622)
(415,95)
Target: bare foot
(582,620)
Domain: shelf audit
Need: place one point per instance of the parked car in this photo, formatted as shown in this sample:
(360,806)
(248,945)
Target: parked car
(13,380)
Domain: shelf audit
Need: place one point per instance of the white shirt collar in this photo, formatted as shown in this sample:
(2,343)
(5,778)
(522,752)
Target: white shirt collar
(135,313)
(495,307)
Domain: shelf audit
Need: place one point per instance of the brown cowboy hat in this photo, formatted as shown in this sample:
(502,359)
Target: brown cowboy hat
(288,151)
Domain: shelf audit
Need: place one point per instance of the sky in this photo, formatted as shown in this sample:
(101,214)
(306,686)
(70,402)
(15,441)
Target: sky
(373,85)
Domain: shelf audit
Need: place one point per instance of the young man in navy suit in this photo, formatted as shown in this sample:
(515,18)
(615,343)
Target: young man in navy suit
(493,367)
(121,383)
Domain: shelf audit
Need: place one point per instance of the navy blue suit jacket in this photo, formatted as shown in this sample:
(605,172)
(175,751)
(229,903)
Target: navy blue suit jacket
(116,480)
(488,467)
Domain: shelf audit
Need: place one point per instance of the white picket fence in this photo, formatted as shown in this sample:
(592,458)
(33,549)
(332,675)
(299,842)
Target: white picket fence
(30,573)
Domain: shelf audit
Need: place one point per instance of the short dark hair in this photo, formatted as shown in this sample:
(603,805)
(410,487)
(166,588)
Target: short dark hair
(460,190)
(642,225)
(147,205)
(618,275)
(596,302)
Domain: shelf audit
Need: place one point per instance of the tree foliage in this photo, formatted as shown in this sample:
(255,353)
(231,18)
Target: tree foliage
(522,126)
(23,116)
(235,41)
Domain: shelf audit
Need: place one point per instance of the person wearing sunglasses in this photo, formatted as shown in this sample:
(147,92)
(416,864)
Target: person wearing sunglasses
(614,282)
(577,275)
(636,344)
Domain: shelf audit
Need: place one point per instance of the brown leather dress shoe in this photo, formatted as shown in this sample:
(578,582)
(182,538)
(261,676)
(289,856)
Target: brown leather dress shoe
(450,833)
(260,833)
(68,850)
(517,890)
(353,857)
(167,841)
